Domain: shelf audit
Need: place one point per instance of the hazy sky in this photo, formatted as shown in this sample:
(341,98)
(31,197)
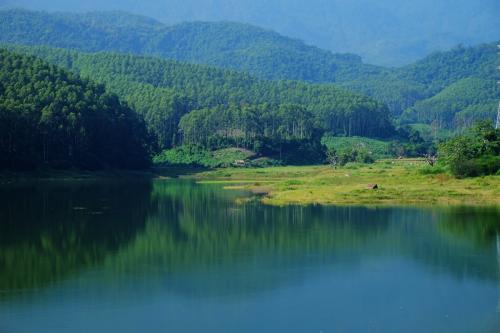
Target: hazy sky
(383,31)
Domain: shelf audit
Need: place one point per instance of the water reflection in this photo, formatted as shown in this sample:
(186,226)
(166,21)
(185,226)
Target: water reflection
(51,230)
(136,239)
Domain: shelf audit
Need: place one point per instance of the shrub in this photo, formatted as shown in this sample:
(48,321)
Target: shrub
(473,154)
(356,155)
(483,166)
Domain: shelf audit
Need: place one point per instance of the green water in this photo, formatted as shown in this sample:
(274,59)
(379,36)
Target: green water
(173,256)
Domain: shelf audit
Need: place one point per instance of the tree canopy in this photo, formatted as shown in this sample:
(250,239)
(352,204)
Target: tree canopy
(51,116)
(262,53)
(164,91)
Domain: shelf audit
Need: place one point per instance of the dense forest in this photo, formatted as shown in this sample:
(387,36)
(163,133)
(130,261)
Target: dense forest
(404,87)
(173,104)
(459,105)
(388,32)
(261,53)
(164,91)
(49,116)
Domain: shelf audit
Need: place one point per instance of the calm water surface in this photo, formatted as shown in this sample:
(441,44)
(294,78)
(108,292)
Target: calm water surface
(173,256)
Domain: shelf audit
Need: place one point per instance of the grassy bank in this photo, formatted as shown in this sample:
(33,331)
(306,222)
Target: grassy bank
(399,182)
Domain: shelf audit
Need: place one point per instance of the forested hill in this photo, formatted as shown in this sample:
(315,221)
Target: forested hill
(459,105)
(262,53)
(49,116)
(243,47)
(459,86)
(163,91)
(389,32)
(401,88)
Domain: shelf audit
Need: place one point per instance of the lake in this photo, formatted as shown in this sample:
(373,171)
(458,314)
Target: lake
(175,256)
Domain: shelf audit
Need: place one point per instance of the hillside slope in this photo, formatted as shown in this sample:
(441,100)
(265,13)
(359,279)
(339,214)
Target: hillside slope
(51,116)
(389,32)
(262,53)
(257,51)
(458,105)
(164,91)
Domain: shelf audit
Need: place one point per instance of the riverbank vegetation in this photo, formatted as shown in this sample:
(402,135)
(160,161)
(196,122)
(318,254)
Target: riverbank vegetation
(474,153)
(386,182)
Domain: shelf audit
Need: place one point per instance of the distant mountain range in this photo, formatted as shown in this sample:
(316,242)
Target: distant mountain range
(260,52)
(386,32)
(268,55)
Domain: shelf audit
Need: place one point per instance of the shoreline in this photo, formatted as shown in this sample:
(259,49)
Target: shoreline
(12,177)
(399,182)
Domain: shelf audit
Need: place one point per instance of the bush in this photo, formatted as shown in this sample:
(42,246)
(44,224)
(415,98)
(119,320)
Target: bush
(432,170)
(295,151)
(483,166)
(264,162)
(379,149)
(357,155)
(197,156)
(476,153)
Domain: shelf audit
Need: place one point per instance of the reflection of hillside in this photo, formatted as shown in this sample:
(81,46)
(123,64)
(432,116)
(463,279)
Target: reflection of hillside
(427,240)
(194,239)
(50,230)
(181,246)
(478,225)
(247,248)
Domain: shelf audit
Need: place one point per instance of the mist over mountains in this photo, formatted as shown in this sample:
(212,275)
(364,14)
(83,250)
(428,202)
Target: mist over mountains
(389,32)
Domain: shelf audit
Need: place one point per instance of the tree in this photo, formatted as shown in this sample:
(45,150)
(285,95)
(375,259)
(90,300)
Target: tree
(332,158)
(50,116)
(475,153)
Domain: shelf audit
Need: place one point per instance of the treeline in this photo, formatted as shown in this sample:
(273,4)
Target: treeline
(430,78)
(49,116)
(286,132)
(458,106)
(164,91)
(474,153)
(260,52)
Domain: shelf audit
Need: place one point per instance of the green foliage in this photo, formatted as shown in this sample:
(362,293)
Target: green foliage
(214,108)
(361,26)
(260,52)
(191,155)
(355,155)
(376,148)
(432,133)
(442,69)
(458,106)
(475,153)
(50,116)
(432,170)
(230,45)
(246,126)
(411,144)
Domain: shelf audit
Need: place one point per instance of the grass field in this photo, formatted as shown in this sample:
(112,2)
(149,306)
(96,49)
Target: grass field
(400,182)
